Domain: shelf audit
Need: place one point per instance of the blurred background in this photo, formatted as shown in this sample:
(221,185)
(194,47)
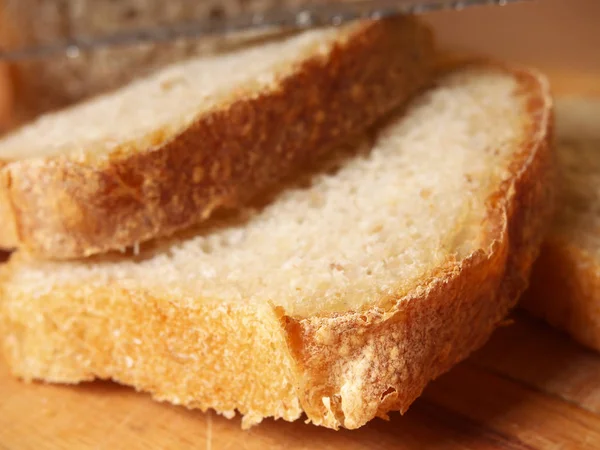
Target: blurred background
(560,37)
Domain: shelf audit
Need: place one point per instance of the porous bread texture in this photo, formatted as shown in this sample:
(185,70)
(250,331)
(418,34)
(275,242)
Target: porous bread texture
(342,297)
(161,154)
(49,83)
(565,288)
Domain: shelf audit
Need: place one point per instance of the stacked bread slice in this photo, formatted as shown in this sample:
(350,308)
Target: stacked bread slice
(162,153)
(565,287)
(283,254)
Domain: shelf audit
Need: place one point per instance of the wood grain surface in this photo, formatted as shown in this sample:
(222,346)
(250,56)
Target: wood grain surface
(530,387)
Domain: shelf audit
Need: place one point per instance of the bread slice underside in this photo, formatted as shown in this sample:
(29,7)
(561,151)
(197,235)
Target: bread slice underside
(565,287)
(161,154)
(341,297)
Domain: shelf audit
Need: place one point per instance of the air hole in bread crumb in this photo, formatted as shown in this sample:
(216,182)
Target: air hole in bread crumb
(387,392)
(375,229)
(206,247)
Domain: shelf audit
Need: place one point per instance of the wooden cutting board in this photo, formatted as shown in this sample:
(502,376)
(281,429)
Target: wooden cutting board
(529,388)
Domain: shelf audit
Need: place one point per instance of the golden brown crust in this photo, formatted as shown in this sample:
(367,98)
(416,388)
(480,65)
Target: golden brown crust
(341,369)
(65,208)
(370,362)
(194,355)
(565,291)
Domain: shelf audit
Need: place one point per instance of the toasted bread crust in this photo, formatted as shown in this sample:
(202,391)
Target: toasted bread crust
(341,369)
(61,208)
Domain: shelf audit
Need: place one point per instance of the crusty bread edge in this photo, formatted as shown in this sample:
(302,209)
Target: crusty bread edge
(201,354)
(59,207)
(565,291)
(363,364)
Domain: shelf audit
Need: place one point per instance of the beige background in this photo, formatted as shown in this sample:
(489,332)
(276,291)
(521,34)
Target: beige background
(561,37)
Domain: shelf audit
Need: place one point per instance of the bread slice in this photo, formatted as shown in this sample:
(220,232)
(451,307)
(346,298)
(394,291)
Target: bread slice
(342,297)
(161,154)
(565,289)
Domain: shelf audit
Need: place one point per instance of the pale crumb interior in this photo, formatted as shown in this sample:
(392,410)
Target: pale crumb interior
(376,228)
(578,151)
(167,101)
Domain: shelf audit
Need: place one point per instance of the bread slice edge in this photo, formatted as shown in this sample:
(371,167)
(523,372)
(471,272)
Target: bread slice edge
(61,208)
(459,308)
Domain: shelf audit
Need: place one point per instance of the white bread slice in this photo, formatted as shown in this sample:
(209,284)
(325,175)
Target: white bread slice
(565,287)
(343,297)
(162,153)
